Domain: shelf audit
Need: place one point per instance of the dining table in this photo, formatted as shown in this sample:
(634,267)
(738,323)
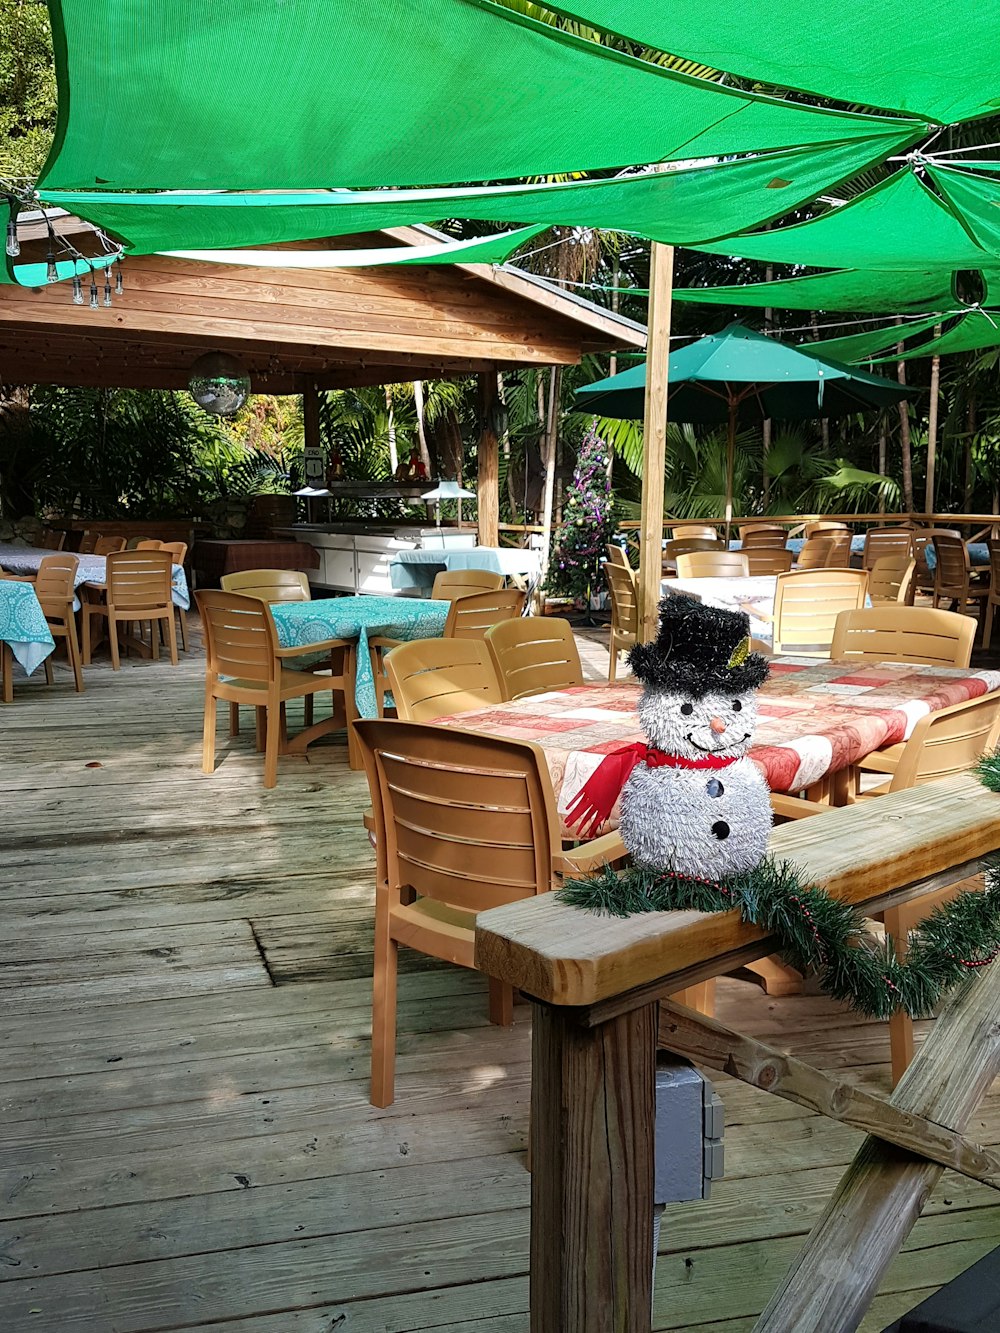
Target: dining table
(91,569)
(357,620)
(415,570)
(815,719)
(24,632)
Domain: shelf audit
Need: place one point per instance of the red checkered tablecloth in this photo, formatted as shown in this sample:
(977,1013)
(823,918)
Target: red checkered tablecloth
(816,718)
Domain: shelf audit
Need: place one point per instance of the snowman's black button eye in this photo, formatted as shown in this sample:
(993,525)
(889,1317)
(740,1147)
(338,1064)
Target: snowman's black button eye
(687,709)
(714,787)
(721,829)
(737,706)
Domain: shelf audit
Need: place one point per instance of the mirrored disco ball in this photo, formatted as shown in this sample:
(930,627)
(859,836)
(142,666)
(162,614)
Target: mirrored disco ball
(219,384)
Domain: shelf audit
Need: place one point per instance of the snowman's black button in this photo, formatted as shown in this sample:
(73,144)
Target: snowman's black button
(714,787)
(721,829)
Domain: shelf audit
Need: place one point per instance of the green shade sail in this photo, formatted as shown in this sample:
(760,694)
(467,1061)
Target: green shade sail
(872,291)
(974,332)
(898,224)
(758,376)
(867,346)
(480,250)
(935,58)
(973,194)
(297,94)
(683,205)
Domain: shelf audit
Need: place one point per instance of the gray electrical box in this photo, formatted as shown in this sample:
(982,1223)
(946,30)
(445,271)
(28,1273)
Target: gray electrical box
(690,1123)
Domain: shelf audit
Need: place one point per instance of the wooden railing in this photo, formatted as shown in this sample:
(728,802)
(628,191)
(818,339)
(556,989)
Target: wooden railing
(595,984)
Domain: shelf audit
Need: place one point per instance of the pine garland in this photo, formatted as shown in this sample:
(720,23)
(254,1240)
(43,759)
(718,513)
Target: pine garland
(988,771)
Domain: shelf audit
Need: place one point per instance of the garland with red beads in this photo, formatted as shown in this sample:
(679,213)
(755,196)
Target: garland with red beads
(816,933)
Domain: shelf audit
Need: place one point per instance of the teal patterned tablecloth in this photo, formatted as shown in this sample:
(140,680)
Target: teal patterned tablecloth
(22,624)
(301,623)
(91,569)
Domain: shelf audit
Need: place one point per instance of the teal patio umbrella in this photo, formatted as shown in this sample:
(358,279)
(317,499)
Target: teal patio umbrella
(739,377)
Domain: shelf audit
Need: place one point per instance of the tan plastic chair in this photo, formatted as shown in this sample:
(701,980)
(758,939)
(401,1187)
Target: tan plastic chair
(904,634)
(885,541)
(50,540)
(890,579)
(452,583)
(55,590)
(432,678)
(807,604)
(136,588)
(617,555)
(823,525)
(921,538)
(88,541)
(470,617)
(683,546)
(712,565)
(463,822)
(246,666)
(953,576)
(108,545)
(767,560)
(178,555)
(534,655)
(763,536)
(695,530)
(147,544)
(993,599)
(826,550)
(270,585)
(624,614)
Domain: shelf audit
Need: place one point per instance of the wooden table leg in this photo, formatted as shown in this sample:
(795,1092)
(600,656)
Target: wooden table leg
(8,673)
(592,1116)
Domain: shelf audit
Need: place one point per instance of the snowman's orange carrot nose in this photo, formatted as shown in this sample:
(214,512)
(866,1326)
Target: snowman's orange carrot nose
(717,725)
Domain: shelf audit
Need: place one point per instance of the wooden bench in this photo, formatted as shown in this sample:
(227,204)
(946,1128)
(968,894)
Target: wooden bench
(596,985)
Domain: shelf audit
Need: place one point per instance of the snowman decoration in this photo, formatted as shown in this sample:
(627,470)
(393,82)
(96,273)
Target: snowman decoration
(691,801)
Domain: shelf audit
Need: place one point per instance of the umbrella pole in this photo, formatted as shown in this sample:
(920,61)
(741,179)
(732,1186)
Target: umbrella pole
(730,467)
(661,281)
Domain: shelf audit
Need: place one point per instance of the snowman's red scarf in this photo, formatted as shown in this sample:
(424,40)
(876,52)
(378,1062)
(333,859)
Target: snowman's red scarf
(595,800)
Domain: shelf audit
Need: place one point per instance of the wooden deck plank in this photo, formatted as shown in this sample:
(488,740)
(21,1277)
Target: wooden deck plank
(169,1118)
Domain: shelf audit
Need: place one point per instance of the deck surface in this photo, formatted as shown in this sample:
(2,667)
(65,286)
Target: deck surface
(185,1134)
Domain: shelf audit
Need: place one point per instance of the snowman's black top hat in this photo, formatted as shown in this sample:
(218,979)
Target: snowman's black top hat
(699,650)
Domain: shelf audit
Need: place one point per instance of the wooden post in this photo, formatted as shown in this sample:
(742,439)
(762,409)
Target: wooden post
(310,416)
(488,458)
(592,1117)
(661,282)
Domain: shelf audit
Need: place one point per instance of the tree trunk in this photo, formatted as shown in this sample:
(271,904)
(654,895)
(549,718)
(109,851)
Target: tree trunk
(932,427)
(904,437)
(883,441)
(391,430)
(488,458)
(970,437)
(418,403)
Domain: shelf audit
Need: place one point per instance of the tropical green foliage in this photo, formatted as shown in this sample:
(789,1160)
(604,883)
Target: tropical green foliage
(27,88)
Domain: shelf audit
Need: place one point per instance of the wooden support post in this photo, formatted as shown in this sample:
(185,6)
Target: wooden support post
(488,457)
(661,281)
(310,416)
(592,1117)
(932,427)
(839,1269)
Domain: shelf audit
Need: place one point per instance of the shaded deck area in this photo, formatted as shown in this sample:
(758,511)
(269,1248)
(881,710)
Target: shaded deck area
(185,1136)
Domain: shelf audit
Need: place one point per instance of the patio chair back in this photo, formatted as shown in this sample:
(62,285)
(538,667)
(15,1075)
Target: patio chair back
(617,555)
(684,545)
(624,613)
(470,617)
(178,551)
(951,570)
(50,540)
(826,550)
(949,741)
(452,583)
(712,565)
(768,559)
(824,525)
(807,604)
(696,530)
(432,678)
(534,655)
(270,585)
(763,535)
(240,638)
(55,582)
(147,544)
(88,541)
(138,580)
(108,545)
(885,541)
(904,634)
(890,579)
(921,539)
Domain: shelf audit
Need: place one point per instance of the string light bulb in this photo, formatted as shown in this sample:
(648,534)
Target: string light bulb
(107,286)
(119,285)
(13,244)
(93,290)
(77,290)
(51,271)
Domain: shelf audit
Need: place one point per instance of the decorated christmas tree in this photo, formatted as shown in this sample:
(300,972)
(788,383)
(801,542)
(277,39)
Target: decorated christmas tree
(587,525)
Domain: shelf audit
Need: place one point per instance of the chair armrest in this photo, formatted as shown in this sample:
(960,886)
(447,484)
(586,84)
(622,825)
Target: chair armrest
(20,578)
(306,648)
(590,855)
(794,807)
